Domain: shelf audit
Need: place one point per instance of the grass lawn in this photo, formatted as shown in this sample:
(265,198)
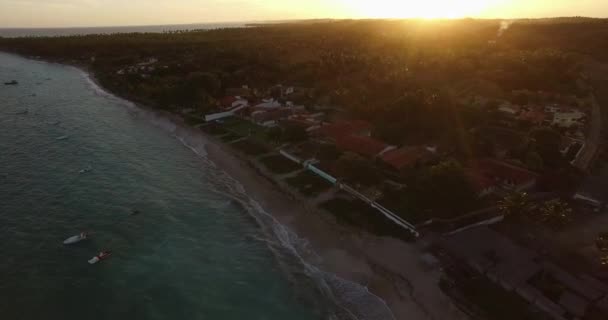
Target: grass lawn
(359,214)
(250,147)
(214,129)
(230,137)
(246,129)
(279,164)
(193,120)
(309,183)
(404,207)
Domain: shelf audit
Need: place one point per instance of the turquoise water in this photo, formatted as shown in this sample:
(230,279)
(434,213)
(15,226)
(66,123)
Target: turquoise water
(197,251)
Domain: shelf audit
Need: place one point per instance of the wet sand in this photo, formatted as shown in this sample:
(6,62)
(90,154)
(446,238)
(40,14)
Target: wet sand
(389,268)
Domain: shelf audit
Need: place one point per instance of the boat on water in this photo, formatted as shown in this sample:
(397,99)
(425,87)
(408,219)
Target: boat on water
(62,137)
(11,83)
(86,170)
(100,257)
(76,238)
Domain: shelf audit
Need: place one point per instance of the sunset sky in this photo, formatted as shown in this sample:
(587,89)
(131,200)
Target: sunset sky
(67,13)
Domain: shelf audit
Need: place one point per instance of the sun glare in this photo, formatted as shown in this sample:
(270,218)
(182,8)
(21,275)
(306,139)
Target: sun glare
(428,9)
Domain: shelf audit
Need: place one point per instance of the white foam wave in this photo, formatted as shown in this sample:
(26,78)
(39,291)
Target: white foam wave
(356,301)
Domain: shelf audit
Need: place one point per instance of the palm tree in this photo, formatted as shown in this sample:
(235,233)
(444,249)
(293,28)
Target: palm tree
(516,203)
(555,213)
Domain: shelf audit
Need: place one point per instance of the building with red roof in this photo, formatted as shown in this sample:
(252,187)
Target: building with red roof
(491,174)
(406,157)
(362,145)
(483,185)
(344,128)
(226,102)
(536,117)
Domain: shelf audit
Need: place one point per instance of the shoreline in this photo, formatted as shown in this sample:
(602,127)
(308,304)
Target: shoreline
(391,269)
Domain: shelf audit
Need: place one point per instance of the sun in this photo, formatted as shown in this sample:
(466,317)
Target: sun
(428,9)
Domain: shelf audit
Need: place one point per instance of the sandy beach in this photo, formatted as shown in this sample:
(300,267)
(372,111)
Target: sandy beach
(390,269)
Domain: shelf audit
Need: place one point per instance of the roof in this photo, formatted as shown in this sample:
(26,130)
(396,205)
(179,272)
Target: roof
(342,128)
(498,170)
(227,101)
(268,104)
(480,181)
(509,108)
(362,145)
(263,116)
(238,91)
(298,122)
(405,157)
(534,116)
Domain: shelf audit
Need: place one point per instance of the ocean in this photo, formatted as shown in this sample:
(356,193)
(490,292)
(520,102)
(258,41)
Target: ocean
(199,249)
(54,32)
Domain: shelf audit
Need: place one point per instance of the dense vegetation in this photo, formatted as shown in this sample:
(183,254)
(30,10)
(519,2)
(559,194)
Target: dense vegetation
(417,81)
(411,78)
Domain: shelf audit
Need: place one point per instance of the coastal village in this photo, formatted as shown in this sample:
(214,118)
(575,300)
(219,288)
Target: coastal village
(452,169)
(324,157)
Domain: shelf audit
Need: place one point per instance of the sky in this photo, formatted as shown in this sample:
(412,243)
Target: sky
(80,13)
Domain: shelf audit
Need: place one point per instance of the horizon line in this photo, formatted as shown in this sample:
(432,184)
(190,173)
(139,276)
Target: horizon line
(278,21)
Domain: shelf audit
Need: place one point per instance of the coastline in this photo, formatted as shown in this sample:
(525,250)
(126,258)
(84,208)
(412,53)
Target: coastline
(391,269)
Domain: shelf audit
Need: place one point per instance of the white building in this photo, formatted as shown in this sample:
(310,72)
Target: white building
(568,119)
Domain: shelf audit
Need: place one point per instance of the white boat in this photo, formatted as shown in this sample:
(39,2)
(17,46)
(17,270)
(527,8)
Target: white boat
(85,170)
(101,256)
(75,239)
(63,137)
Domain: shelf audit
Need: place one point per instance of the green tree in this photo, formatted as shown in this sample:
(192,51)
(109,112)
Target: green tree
(354,168)
(555,213)
(328,152)
(515,204)
(446,189)
(292,133)
(534,161)
(275,134)
(546,143)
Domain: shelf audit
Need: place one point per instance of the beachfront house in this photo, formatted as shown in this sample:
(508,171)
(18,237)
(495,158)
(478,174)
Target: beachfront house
(402,159)
(569,118)
(490,175)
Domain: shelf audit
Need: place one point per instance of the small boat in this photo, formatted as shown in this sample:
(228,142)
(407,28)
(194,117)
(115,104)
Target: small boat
(86,170)
(62,138)
(76,239)
(22,112)
(101,256)
(11,83)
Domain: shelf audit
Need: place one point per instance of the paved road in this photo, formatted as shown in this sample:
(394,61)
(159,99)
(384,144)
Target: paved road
(593,141)
(598,77)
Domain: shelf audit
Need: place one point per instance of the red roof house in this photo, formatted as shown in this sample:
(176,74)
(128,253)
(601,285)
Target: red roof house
(364,146)
(406,157)
(345,128)
(226,102)
(486,172)
(533,116)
